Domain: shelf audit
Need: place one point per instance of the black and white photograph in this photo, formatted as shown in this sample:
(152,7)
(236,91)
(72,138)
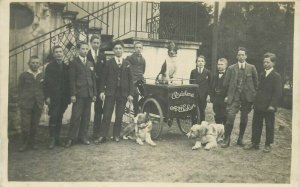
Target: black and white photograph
(147,93)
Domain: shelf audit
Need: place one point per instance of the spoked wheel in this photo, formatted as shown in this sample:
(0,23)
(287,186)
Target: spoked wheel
(152,107)
(185,123)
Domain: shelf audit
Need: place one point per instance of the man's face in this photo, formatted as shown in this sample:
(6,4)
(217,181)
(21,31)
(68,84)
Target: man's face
(172,53)
(83,50)
(34,64)
(200,62)
(241,56)
(268,64)
(118,50)
(95,44)
(58,54)
(138,48)
(221,66)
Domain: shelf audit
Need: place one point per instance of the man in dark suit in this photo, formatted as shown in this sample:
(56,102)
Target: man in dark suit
(265,104)
(31,102)
(201,76)
(97,57)
(138,67)
(241,83)
(218,92)
(116,88)
(83,92)
(57,93)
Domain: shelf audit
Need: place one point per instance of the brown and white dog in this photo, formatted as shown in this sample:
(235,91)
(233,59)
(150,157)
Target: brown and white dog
(140,130)
(205,133)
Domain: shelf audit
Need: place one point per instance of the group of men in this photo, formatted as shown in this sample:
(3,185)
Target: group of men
(239,88)
(89,78)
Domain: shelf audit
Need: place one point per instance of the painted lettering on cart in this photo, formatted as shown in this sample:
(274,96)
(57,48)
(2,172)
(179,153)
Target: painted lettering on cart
(182,108)
(177,95)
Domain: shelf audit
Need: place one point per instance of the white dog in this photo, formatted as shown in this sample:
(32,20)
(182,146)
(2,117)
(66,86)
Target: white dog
(208,134)
(140,129)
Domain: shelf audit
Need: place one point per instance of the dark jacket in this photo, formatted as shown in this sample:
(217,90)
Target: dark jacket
(231,80)
(110,78)
(57,83)
(82,79)
(138,66)
(202,80)
(213,86)
(269,91)
(99,66)
(31,90)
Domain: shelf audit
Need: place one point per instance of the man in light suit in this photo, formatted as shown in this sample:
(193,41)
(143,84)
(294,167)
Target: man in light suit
(97,57)
(265,104)
(83,92)
(241,83)
(115,89)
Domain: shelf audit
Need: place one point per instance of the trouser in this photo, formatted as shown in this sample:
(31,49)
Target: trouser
(202,106)
(136,104)
(239,103)
(56,112)
(97,117)
(219,108)
(109,103)
(81,113)
(257,126)
(30,118)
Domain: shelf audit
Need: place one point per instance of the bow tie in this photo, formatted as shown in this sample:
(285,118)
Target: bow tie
(221,73)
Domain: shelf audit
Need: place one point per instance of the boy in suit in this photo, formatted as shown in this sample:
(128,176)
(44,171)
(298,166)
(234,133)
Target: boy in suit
(116,88)
(57,93)
(265,104)
(31,102)
(138,67)
(83,92)
(201,76)
(241,83)
(218,92)
(97,57)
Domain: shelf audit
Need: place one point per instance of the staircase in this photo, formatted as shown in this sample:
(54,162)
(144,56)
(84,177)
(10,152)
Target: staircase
(116,19)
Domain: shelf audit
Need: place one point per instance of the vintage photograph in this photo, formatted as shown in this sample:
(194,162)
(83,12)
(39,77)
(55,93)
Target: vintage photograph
(162,91)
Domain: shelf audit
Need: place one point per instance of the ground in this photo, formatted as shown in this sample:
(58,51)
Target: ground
(172,160)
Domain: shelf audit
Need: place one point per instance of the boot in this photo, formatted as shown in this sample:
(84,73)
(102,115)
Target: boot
(33,144)
(51,143)
(226,142)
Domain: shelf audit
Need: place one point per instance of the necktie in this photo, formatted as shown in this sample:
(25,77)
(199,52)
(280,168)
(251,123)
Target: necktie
(84,61)
(119,63)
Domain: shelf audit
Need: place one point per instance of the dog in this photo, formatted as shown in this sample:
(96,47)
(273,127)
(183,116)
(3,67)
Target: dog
(206,134)
(140,129)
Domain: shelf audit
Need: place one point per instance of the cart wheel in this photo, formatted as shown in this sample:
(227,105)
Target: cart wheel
(152,107)
(186,123)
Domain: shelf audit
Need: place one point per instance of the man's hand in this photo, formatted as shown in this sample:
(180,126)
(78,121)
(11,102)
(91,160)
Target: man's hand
(48,101)
(102,96)
(94,98)
(271,109)
(130,98)
(226,99)
(73,99)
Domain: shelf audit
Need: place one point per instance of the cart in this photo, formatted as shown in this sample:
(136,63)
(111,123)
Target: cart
(168,103)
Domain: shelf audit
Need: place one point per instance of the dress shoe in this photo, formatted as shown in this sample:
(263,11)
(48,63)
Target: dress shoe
(267,149)
(117,139)
(226,143)
(100,140)
(51,143)
(251,146)
(68,144)
(85,142)
(23,147)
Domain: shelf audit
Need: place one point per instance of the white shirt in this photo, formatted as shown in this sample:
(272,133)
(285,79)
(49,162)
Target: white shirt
(221,74)
(94,54)
(171,67)
(200,70)
(119,60)
(34,73)
(268,71)
(83,59)
(242,65)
